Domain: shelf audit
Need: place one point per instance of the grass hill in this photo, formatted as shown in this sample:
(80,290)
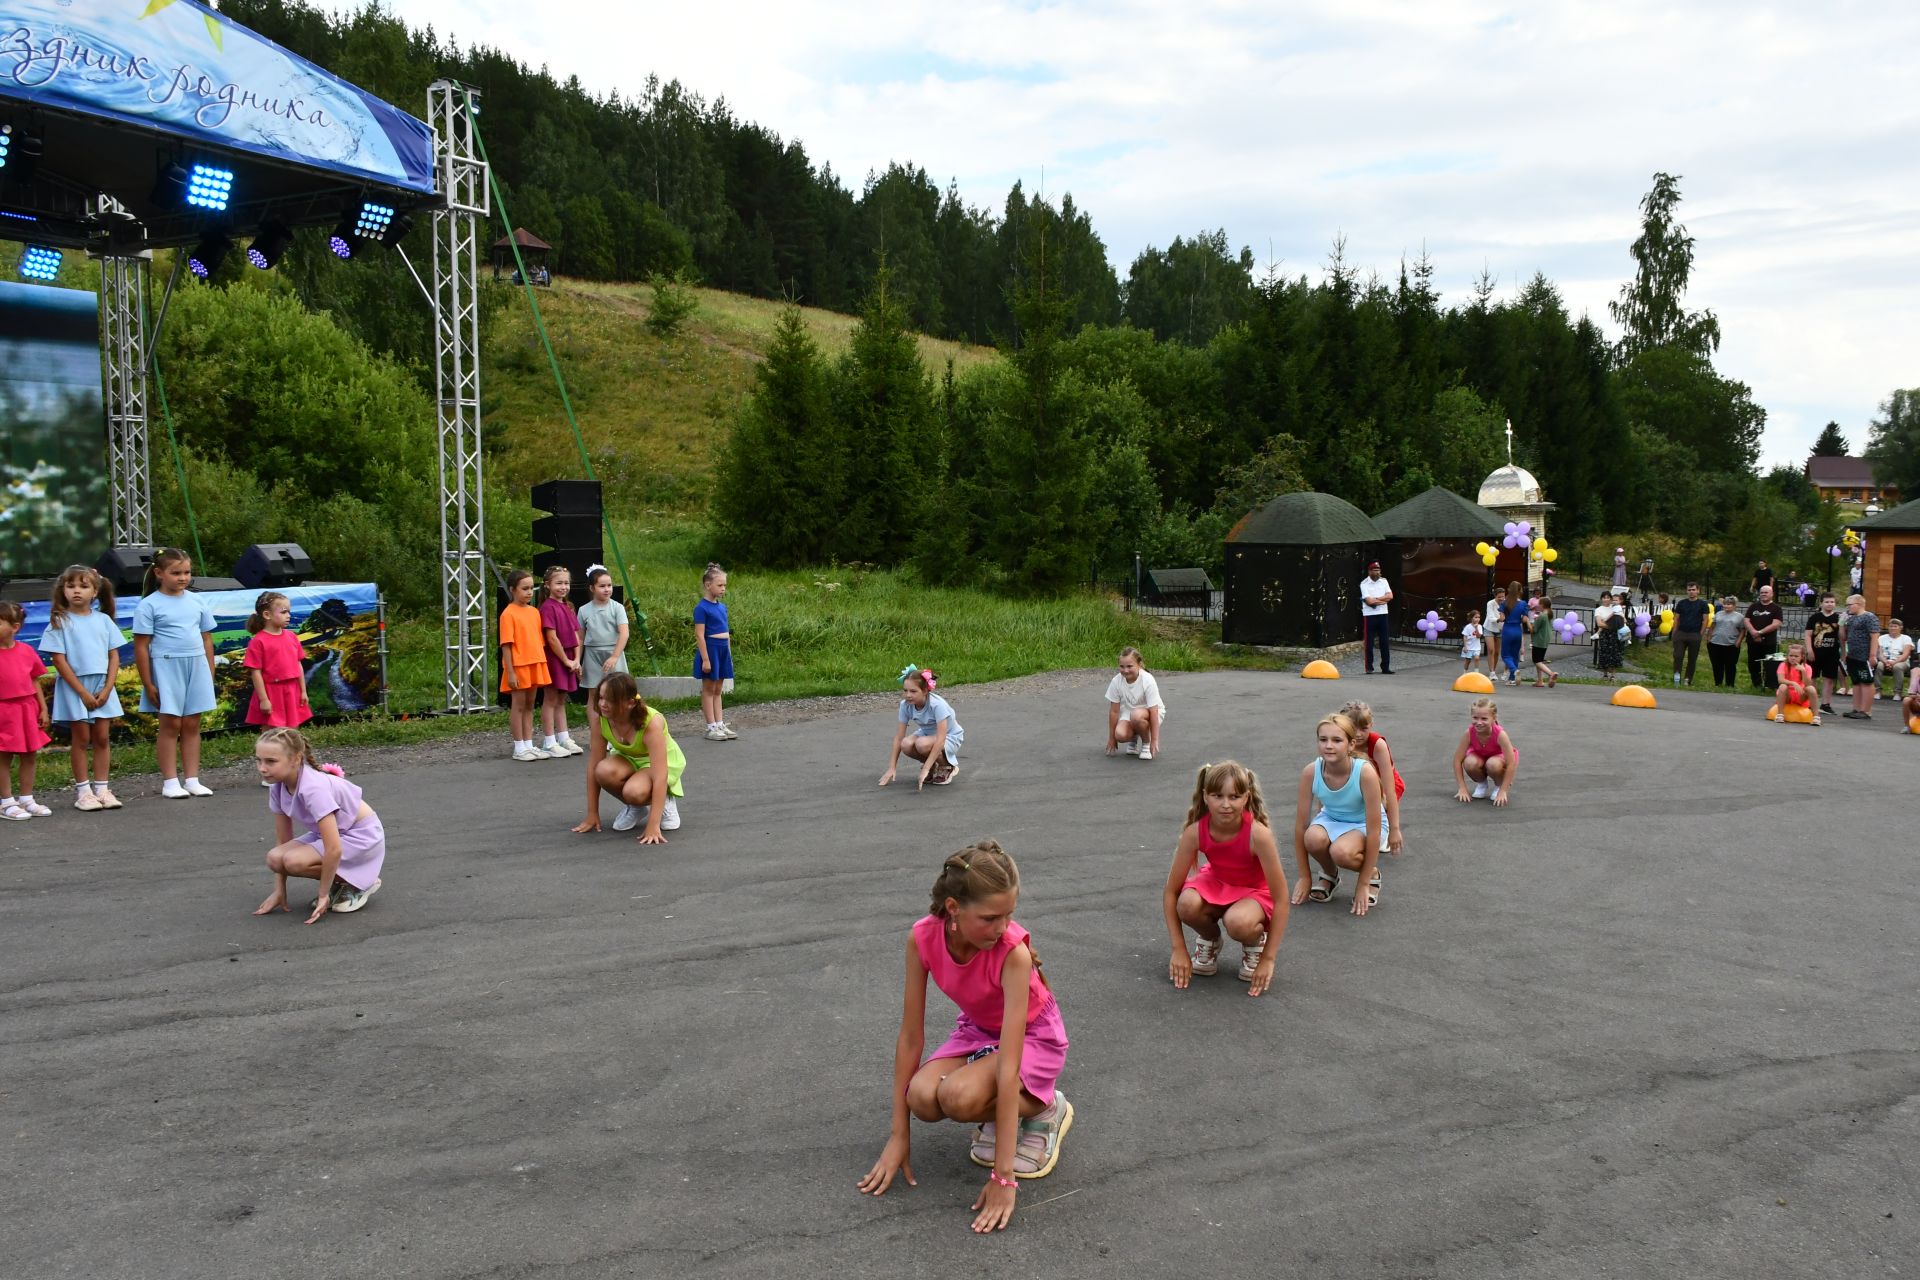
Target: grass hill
(654,412)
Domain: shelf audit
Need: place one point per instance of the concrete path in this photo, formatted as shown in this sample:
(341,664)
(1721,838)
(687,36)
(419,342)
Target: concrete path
(1566,1044)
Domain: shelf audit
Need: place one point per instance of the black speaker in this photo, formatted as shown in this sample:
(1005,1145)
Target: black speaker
(273,564)
(568,497)
(125,567)
(559,532)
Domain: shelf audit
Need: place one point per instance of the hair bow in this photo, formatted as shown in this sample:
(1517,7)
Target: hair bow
(912,668)
(334,769)
(595,568)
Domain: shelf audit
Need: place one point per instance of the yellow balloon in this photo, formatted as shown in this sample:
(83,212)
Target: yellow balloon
(1481,549)
(1666,621)
(1488,559)
(1539,544)
(1549,555)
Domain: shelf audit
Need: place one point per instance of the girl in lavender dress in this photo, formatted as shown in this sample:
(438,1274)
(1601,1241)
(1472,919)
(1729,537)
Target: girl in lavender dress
(345,844)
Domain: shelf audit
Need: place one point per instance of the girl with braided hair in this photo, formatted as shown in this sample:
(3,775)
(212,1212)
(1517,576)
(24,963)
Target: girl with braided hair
(345,845)
(927,731)
(997,1070)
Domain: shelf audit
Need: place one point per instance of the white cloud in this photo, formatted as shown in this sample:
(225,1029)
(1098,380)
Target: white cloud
(1516,138)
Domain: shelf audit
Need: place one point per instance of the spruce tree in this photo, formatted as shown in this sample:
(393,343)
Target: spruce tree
(1831,443)
(883,436)
(780,479)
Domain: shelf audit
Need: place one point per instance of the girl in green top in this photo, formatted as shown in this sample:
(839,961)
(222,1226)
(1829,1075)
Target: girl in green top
(1544,676)
(635,760)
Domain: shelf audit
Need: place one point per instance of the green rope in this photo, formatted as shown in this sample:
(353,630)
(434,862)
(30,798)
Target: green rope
(173,443)
(566,401)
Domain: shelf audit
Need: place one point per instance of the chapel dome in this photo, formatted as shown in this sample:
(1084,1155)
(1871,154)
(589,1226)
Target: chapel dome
(1511,486)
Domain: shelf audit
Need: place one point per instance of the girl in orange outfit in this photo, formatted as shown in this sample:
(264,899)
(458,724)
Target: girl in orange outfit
(523,661)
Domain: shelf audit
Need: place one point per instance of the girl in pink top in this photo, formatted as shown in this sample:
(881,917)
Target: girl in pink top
(1241,885)
(275,662)
(1486,757)
(998,1068)
(560,627)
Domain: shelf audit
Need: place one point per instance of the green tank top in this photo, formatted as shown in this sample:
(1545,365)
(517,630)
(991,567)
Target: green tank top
(635,752)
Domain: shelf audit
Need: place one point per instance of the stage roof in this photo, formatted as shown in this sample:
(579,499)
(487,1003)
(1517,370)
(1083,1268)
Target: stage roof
(116,89)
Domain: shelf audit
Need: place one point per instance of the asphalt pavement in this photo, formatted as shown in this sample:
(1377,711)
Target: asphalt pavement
(1655,1019)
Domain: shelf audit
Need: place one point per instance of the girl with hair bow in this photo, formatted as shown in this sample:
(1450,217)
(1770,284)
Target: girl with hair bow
(927,730)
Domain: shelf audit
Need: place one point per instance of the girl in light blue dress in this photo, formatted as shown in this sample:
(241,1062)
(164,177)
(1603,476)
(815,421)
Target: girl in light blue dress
(927,732)
(173,645)
(82,641)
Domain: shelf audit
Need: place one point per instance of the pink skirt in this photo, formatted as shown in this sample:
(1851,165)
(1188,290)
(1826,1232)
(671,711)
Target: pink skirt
(563,677)
(20,732)
(1042,1056)
(1219,891)
(290,706)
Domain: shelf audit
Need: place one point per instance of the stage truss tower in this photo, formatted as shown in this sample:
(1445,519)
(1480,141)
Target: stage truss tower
(465,596)
(123,292)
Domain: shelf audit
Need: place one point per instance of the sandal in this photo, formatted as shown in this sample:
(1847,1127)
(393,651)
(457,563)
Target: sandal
(944,773)
(15,813)
(1039,1148)
(1323,886)
(985,1142)
(1373,890)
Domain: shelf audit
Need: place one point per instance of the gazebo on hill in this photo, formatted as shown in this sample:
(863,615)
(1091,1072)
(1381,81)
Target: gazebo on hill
(533,251)
(1890,576)
(1432,536)
(1293,572)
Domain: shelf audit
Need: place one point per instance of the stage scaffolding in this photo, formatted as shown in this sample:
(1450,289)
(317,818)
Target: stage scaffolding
(465,597)
(123,291)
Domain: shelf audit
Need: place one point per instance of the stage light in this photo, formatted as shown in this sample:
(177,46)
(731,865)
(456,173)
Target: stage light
(269,243)
(209,187)
(209,253)
(39,263)
(19,154)
(397,232)
(6,143)
(373,220)
(342,240)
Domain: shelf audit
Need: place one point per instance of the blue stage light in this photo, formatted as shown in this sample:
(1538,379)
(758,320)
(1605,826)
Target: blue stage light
(6,143)
(269,243)
(209,253)
(373,221)
(209,187)
(39,263)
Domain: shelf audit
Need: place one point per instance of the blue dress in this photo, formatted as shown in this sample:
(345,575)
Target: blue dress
(1513,634)
(1343,810)
(87,641)
(924,722)
(712,615)
(177,654)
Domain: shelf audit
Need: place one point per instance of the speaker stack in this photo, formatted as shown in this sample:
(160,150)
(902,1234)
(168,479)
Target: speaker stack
(570,531)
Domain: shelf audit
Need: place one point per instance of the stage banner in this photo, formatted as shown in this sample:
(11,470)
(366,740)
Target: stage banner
(339,625)
(53,430)
(178,66)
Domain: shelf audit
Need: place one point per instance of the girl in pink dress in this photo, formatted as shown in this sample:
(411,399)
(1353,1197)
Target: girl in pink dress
(560,627)
(1241,885)
(277,665)
(23,716)
(997,1070)
(1486,760)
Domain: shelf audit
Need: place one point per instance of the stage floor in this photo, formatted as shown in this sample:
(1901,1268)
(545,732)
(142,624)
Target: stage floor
(1655,1019)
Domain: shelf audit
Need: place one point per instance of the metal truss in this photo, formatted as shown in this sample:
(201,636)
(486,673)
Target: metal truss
(465,596)
(123,291)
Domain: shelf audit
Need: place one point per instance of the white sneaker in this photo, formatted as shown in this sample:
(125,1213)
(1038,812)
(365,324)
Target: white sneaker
(172,790)
(727,729)
(1250,958)
(558,751)
(573,748)
(670,816)
(347,899)
(629,817)
(198,788)
(530,753)
(1146,753)
(86,802)
(1479,791)
(1132,748)
(716,734)
(1206,957)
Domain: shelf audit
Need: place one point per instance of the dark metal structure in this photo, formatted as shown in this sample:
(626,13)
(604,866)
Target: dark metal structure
(1293,569)
(1432,562)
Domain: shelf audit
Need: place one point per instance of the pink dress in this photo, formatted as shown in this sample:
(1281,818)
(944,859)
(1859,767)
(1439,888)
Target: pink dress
(1231,872)
(975,987)
(280,661)
(20,672)
(558,617)
(1489,749)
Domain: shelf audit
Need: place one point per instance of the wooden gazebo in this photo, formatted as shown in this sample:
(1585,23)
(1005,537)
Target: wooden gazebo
(533,251)
(1293,572)
(1433,535)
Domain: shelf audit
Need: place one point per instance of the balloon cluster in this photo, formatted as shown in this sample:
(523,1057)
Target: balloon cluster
(1642,625)
(1805,592)
(1431,625)
(1666,622)
(1518,536)
(1835,552)
(1569,628)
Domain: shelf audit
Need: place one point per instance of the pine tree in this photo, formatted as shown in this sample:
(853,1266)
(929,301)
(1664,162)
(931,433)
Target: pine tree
(1831,443)
(780,479)
(883,435)
(1649,310)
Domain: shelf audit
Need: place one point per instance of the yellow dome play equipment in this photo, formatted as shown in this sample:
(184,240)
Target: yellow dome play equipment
(1319,669)
(1913,725)
(1634,695)
(1796,714)
(1472,682)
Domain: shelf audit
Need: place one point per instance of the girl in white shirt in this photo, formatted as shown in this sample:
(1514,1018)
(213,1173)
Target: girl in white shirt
(1135,709)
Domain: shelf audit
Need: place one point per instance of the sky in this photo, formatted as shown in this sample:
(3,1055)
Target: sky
(1508,139)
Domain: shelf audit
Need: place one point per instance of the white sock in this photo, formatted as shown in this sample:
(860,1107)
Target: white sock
(523,744)
(26,798)
(194,781)
(546,742)
(6,800)
(566,737)
(98,786)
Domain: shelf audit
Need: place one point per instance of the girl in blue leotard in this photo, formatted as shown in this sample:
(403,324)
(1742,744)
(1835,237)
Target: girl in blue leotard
(1346,832)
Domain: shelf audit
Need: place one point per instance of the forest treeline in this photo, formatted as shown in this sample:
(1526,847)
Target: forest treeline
(1142,413)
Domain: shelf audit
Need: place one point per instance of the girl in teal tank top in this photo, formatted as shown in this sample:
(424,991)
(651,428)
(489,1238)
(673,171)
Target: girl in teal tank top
(635,760)
(1339,822)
